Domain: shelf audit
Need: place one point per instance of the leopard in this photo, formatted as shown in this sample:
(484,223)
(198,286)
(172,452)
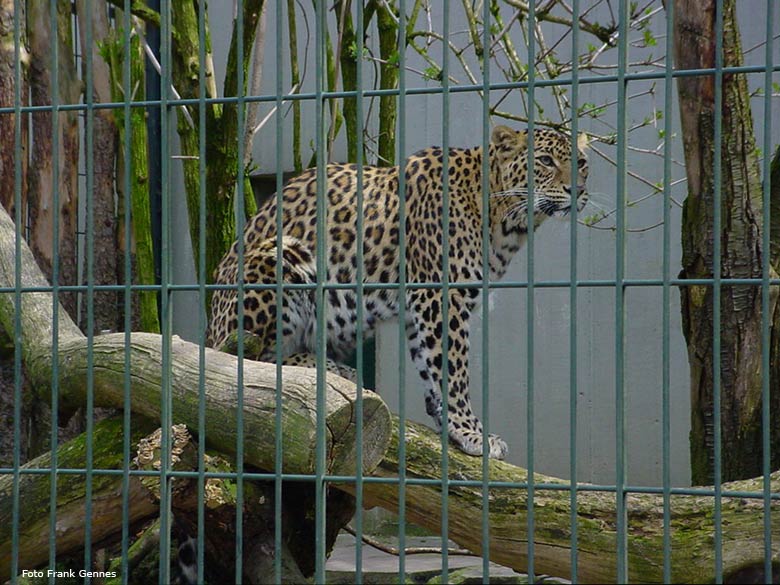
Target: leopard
(559,185)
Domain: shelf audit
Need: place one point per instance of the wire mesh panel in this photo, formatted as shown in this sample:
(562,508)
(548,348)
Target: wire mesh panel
(483,199)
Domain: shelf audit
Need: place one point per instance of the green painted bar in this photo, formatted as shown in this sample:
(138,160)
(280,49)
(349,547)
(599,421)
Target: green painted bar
(445,289)
(128,297)
(531,291)
(165,296)
(573,410)
(620,261)
(279,313)
(17,460)
(716,298)
(486,42)
(55,271)
(765,325)
(666,295)
(90,270)
(200,551)
(240,214)
(359,275)
(400,156)
(321,27)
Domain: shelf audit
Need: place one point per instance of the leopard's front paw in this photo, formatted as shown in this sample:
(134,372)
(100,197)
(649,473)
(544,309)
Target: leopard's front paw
(470,442)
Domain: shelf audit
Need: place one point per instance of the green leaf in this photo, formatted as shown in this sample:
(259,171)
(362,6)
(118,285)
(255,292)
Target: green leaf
(433,72)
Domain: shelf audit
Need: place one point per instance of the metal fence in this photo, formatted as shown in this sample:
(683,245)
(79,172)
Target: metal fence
(321,97)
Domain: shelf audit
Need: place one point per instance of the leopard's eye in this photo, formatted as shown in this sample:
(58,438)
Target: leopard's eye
(546,160)
(582,162)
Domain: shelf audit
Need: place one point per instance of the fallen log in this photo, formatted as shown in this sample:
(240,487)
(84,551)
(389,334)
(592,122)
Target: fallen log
(692,524)
(107,502)
(106,354)
(29,315)
(692,516)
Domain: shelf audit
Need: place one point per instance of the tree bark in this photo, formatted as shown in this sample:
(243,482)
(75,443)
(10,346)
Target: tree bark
(692,517)
(740,236)
(295,80)
(388,79)
(349,62)
(64,160)
(692,551)
(141,218)
(222,162)
(106,358)
(8,60)
(35,490)
(104,149)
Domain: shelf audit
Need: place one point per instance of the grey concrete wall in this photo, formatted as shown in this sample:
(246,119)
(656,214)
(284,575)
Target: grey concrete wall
(507,353)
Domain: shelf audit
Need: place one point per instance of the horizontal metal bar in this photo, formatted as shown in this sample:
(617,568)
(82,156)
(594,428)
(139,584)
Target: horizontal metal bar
(466,88)
(346,479)
(642,282)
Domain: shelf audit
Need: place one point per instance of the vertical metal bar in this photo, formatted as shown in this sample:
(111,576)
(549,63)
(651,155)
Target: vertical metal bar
(485,185)
(531,291)
(279,292)
(765,272)
(165,299)
(666,295)
(154,130)
(128,300)
(574,105)
(321,28)
(716,275)
(359,294)
(17,462)
(620,291)
(55,281)
(202,294)
(90,268)
(240,215)
(445,279)
(401,157)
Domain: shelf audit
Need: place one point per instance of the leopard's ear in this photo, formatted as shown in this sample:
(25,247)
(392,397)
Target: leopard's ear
(583,141)
(508,142)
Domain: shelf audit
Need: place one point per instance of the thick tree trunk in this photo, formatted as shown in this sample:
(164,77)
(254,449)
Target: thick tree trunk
(349,62)
(222,162)
(740,236)
(295,80)
(387,26)
(105,358)
(145,302)
(104,148)
(43,214)
(8,61)
(692,525)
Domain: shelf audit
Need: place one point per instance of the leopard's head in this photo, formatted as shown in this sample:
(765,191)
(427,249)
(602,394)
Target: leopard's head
(552,176)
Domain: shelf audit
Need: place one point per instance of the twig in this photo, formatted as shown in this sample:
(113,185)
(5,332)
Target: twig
(257,78)
(156,64)
(412,550)
(267,117)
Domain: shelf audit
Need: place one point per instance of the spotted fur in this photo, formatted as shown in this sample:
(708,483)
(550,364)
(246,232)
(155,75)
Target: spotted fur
(424,236)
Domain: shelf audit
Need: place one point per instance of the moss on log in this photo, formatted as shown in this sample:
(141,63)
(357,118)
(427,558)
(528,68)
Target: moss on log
(35,489)
(299,397)
(106,356)
(692,525)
